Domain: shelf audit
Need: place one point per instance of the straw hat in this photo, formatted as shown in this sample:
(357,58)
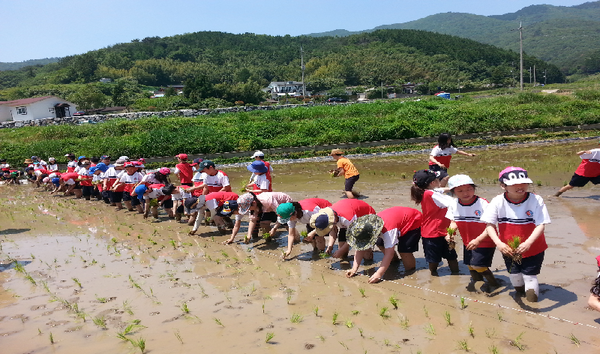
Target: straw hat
(363,232)
(323,221)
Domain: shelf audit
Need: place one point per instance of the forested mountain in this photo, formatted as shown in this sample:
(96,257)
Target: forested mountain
(568,37)
(21,64)
(235,67)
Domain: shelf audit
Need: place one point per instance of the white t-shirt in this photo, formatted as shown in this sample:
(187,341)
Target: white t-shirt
(218,180)
(130,179)
(261,181)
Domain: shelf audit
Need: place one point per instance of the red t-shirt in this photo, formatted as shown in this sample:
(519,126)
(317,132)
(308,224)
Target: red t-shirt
(590,164)
(312,203)
(69,175)
(434,222)
(222,197)
(403,219)
(185,172)
(468,220)
(349,210)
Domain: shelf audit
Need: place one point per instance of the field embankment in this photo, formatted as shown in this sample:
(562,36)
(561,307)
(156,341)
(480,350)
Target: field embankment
(303,126)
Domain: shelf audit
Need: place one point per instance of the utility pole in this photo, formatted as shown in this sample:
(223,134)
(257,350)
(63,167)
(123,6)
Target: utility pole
(302,67)
(530,75)
(544,77)
(534,80)
(382,90)
(521,51)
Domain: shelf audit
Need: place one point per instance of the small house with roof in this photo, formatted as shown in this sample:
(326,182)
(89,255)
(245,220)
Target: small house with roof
(283,88)
(36,108)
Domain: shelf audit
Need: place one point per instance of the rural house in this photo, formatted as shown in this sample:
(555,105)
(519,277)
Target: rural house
(36,108)
(282,88)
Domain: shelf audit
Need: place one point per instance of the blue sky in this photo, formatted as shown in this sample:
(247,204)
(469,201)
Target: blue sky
(34,29)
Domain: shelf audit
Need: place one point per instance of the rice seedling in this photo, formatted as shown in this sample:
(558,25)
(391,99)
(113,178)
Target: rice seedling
(430,329)
(500,316)
(463,304)
(45,285)
(403,322)
(316,311)
(296,318)
(349,324)
(394,302)
(383,313)
(321,338)
(51,338)
(344,345)
(360,330)
(517,342)
(355,312)
(494,349)
(334,318)
(324,255)
(538,183)
(386,342)
(172,242)
(77,282)
(28,277)
(447,318)
(132,327)
(101,300)
(362,292)
(100,321)
(471,330)
(218,321)
(18,267)
(451,243)
(574,340)
(426,311)
(39,332)
(514,243)
(178,336)
(323,277)
(490,332)
(269,336)
(184,308)
(463,345)
(127,307)
(139,343)
(224,254)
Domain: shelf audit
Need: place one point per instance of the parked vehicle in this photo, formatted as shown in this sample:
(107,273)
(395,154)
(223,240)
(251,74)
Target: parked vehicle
(79,113)
(336,100)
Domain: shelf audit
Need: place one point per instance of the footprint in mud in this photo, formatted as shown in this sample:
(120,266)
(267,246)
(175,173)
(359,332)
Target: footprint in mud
(154,313)
(308,346)
(73,329)
(56,323)
(37,307)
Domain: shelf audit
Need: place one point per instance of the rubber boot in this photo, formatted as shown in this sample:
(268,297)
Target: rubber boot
(531,296)
(520,290)
(491,280)
(433,269)
(475,275)
(453,265)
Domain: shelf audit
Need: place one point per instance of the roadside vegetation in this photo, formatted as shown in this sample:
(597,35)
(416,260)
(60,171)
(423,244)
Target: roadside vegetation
(305,126)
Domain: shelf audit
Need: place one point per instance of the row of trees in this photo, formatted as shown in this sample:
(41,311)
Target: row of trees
(236,67)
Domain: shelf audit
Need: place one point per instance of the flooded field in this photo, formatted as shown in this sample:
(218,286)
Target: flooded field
(88,279)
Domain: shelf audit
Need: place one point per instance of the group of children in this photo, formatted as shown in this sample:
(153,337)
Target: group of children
(513,222)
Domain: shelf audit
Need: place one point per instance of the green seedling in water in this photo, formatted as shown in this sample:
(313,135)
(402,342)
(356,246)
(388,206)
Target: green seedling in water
(321,338)
(517,342)
(178,336)
(296,318)
(490,332)
(140,343)
(316,311)
(184,308)
(383,312)
(349,324)
(360,330)
(430,329)
(77,282)
(471,330)
(574,340)
(451,243)
(266,236)
(463,305)
(462,345)
(394,302)
(324,255)
(100,321)
(218,321)
(494,349)
(172,242)
(426,311)
(362,292)
(334,318)
(269,336)
(101,300)
(500,317)
(355,312)
(403,322)
(344,345)
(448,318)
(51,338)
(28,277)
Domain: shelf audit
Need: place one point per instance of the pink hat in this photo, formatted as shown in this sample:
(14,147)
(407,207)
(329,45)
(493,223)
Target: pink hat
(46,179)
(182,156)
(142,160)
(165,171)
(244,202)
(598,260)
(513,175)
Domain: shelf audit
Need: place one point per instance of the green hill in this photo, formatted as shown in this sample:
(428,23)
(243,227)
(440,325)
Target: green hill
(21,64)
(564,36)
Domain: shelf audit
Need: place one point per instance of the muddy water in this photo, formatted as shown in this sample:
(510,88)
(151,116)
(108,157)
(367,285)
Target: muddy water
(190,293)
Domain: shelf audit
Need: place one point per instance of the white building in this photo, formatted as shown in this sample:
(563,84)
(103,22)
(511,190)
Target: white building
(36,108)
(282,88)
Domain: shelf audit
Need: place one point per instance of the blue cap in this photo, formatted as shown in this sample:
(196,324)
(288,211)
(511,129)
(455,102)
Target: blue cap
(257,167)
(81,157)
(140,190)
(102,167)
(92,170)
(56,181)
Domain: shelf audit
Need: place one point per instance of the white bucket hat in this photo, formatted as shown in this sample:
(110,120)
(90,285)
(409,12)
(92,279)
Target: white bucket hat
(459,180)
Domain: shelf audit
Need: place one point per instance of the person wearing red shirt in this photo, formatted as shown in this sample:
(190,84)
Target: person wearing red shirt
(184,170)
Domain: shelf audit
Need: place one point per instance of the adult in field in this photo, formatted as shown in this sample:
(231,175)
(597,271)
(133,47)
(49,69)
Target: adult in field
(588,170)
